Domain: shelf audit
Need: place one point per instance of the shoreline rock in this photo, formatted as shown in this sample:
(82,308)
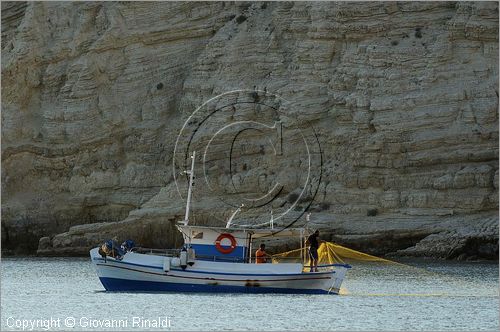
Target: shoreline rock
(476,238)
(402,96)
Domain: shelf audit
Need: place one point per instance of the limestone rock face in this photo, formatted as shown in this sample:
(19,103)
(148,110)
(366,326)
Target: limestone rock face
(403,99)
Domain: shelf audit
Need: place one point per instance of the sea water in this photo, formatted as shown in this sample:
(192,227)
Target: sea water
(65,293)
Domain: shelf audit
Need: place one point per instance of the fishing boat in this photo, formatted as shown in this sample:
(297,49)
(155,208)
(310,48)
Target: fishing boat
(214,259)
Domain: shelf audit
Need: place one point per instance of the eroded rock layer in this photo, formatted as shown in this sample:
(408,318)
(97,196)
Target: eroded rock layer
(403,97)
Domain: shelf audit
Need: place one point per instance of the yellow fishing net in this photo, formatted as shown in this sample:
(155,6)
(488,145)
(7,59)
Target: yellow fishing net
(331,253)
(328,253)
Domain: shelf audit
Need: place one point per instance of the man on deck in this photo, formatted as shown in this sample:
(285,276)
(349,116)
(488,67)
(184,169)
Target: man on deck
(313,241)
(261,255)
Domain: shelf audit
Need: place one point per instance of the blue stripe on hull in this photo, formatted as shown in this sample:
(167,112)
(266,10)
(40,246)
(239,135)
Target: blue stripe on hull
(125,285)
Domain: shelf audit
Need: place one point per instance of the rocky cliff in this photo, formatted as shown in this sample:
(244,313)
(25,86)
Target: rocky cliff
(402,99)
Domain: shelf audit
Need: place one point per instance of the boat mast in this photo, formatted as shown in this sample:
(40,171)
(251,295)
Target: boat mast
(190,188)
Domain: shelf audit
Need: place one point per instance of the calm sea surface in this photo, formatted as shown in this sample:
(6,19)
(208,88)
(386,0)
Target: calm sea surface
(434,296)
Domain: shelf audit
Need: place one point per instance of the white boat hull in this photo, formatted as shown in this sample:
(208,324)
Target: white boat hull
(145,273)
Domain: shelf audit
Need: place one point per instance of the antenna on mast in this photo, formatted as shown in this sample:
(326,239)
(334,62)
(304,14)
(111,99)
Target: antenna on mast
(233,215)
(271,222)
(190,188)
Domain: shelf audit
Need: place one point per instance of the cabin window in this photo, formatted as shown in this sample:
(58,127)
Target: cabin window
(197,235)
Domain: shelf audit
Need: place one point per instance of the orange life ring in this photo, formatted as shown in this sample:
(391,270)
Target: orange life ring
(225,250)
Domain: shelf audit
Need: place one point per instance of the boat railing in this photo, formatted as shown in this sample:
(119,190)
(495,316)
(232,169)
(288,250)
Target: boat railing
(250,260)
(176,253)
(277,260)
(221,258)
(159,252)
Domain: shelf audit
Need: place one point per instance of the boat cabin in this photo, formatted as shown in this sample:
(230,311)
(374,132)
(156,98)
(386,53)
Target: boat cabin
(232,244)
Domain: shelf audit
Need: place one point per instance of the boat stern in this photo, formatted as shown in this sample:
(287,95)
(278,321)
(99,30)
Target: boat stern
(339,273)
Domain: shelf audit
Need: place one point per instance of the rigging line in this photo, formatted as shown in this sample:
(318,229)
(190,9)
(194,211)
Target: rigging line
(317,188)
